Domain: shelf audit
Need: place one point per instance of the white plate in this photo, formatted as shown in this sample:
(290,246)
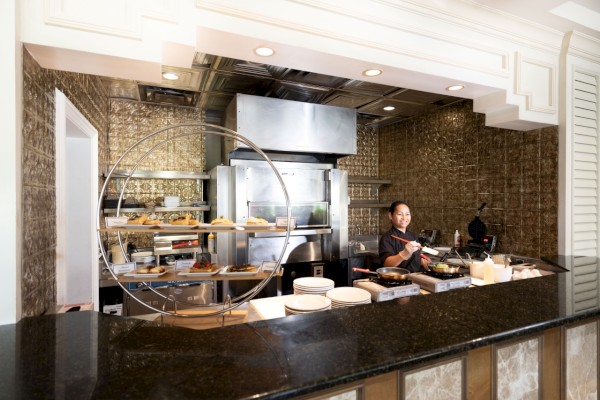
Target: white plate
(210,273)
(134,274)
(269,225)
(349,295)
(225,271)
(307,302)
(313,282)
(171,226)
(218,227)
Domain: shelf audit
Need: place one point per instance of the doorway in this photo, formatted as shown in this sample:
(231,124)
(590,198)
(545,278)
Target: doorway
(76,205)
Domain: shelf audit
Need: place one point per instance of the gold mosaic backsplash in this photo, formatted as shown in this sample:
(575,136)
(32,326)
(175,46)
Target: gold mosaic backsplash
(447,163)
(363,221)
(39,188)
(135,143)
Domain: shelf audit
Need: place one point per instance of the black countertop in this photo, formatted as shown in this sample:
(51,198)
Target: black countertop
(91,355)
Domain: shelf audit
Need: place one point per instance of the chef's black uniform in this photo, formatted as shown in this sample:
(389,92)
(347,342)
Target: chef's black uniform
(388,246)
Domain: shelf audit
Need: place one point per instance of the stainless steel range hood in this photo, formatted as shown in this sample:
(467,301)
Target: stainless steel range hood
(291,126)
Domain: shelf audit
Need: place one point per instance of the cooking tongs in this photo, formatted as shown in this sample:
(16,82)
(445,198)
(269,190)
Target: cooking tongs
(426,249)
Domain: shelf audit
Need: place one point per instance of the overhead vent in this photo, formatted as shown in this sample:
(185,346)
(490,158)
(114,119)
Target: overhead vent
(155,94)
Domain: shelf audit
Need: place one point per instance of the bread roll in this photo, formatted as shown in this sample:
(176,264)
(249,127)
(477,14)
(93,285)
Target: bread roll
(138,219)
(256,221)
(221,221)
(183,220)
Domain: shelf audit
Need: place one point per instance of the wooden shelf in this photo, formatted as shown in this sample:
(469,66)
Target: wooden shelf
(173,276)
(184,229)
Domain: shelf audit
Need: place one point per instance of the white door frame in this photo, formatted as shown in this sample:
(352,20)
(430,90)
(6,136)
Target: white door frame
(66,114)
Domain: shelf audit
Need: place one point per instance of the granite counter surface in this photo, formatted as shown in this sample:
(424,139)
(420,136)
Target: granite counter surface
(91,355)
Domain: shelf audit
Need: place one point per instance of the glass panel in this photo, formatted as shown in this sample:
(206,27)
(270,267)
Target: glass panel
(307,215)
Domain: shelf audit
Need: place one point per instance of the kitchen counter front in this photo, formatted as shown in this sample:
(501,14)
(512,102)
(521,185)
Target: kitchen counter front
(92,355)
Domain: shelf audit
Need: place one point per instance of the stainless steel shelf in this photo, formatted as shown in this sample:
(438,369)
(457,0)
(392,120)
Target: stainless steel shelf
(156,209)
(119,173)
(369,180)
(366,204)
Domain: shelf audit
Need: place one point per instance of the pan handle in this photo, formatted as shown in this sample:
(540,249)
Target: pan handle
(366,271)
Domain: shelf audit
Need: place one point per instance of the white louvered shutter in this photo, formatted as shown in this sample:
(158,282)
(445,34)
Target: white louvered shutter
(586,202)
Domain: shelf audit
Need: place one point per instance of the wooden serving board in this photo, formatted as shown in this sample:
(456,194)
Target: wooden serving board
(203,322)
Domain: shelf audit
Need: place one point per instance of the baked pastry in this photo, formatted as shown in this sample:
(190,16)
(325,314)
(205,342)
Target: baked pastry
(193,221)
(242,268)
(182,220)
(152,222)
(137,219)
(151,269)
(221,221)
(256,221)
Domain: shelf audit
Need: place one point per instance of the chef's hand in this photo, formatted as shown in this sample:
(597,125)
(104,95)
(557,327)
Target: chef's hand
(409,249)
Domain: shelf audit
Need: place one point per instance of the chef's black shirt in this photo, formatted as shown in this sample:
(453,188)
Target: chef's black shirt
(388,246)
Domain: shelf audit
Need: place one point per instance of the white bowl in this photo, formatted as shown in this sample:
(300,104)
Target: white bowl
(476,269)
(171,199)
(501,273)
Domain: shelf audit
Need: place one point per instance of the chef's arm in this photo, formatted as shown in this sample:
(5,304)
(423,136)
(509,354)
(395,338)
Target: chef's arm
(397,259)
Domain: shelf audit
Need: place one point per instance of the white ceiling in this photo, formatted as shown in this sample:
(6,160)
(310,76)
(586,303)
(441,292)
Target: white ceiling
(564,16)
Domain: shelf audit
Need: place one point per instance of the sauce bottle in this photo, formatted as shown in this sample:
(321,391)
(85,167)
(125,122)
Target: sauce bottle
(457,239)
(211,243)
(488,270)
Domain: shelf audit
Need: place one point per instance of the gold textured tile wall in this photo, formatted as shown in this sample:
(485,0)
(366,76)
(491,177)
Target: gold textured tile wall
(38,168)
(132,136)
(446,163)
(363,221)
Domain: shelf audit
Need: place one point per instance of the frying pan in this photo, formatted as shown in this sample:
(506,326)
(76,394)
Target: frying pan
(450,269)
(389,273)
(477,228)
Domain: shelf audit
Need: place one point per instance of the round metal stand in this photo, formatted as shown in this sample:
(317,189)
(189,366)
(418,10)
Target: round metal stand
(229,303)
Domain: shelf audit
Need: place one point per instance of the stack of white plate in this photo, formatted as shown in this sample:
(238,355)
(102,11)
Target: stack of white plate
(306,303)
(312,285)
(142,257)
(171,201)
(348,296)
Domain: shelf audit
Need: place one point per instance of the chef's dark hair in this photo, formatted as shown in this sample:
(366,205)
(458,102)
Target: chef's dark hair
(396,204)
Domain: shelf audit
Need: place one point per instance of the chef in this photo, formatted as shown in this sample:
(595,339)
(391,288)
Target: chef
(394,252)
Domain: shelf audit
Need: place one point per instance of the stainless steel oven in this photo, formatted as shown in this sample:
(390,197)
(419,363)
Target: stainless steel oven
(319,203)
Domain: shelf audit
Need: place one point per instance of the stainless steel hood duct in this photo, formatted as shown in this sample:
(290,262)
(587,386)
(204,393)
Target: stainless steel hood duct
(291,126)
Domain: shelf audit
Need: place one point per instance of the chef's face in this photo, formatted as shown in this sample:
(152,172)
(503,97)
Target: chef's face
(400,217)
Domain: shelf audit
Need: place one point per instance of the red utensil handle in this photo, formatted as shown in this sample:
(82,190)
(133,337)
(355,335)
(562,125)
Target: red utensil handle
(400,239)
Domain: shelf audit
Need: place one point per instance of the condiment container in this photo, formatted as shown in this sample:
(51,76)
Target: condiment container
(457,239)
(488,271)
(210,244)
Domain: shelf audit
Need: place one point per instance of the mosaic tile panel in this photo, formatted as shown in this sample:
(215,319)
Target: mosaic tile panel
(134,143)
(450,163)
(363,221)
(582,362)
(39,188)
(517,371)
(442,382)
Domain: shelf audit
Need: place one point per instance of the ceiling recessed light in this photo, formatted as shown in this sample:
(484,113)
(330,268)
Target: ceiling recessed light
(455,87)
(389,108)
(171,76)
(264,51)
(372,72)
